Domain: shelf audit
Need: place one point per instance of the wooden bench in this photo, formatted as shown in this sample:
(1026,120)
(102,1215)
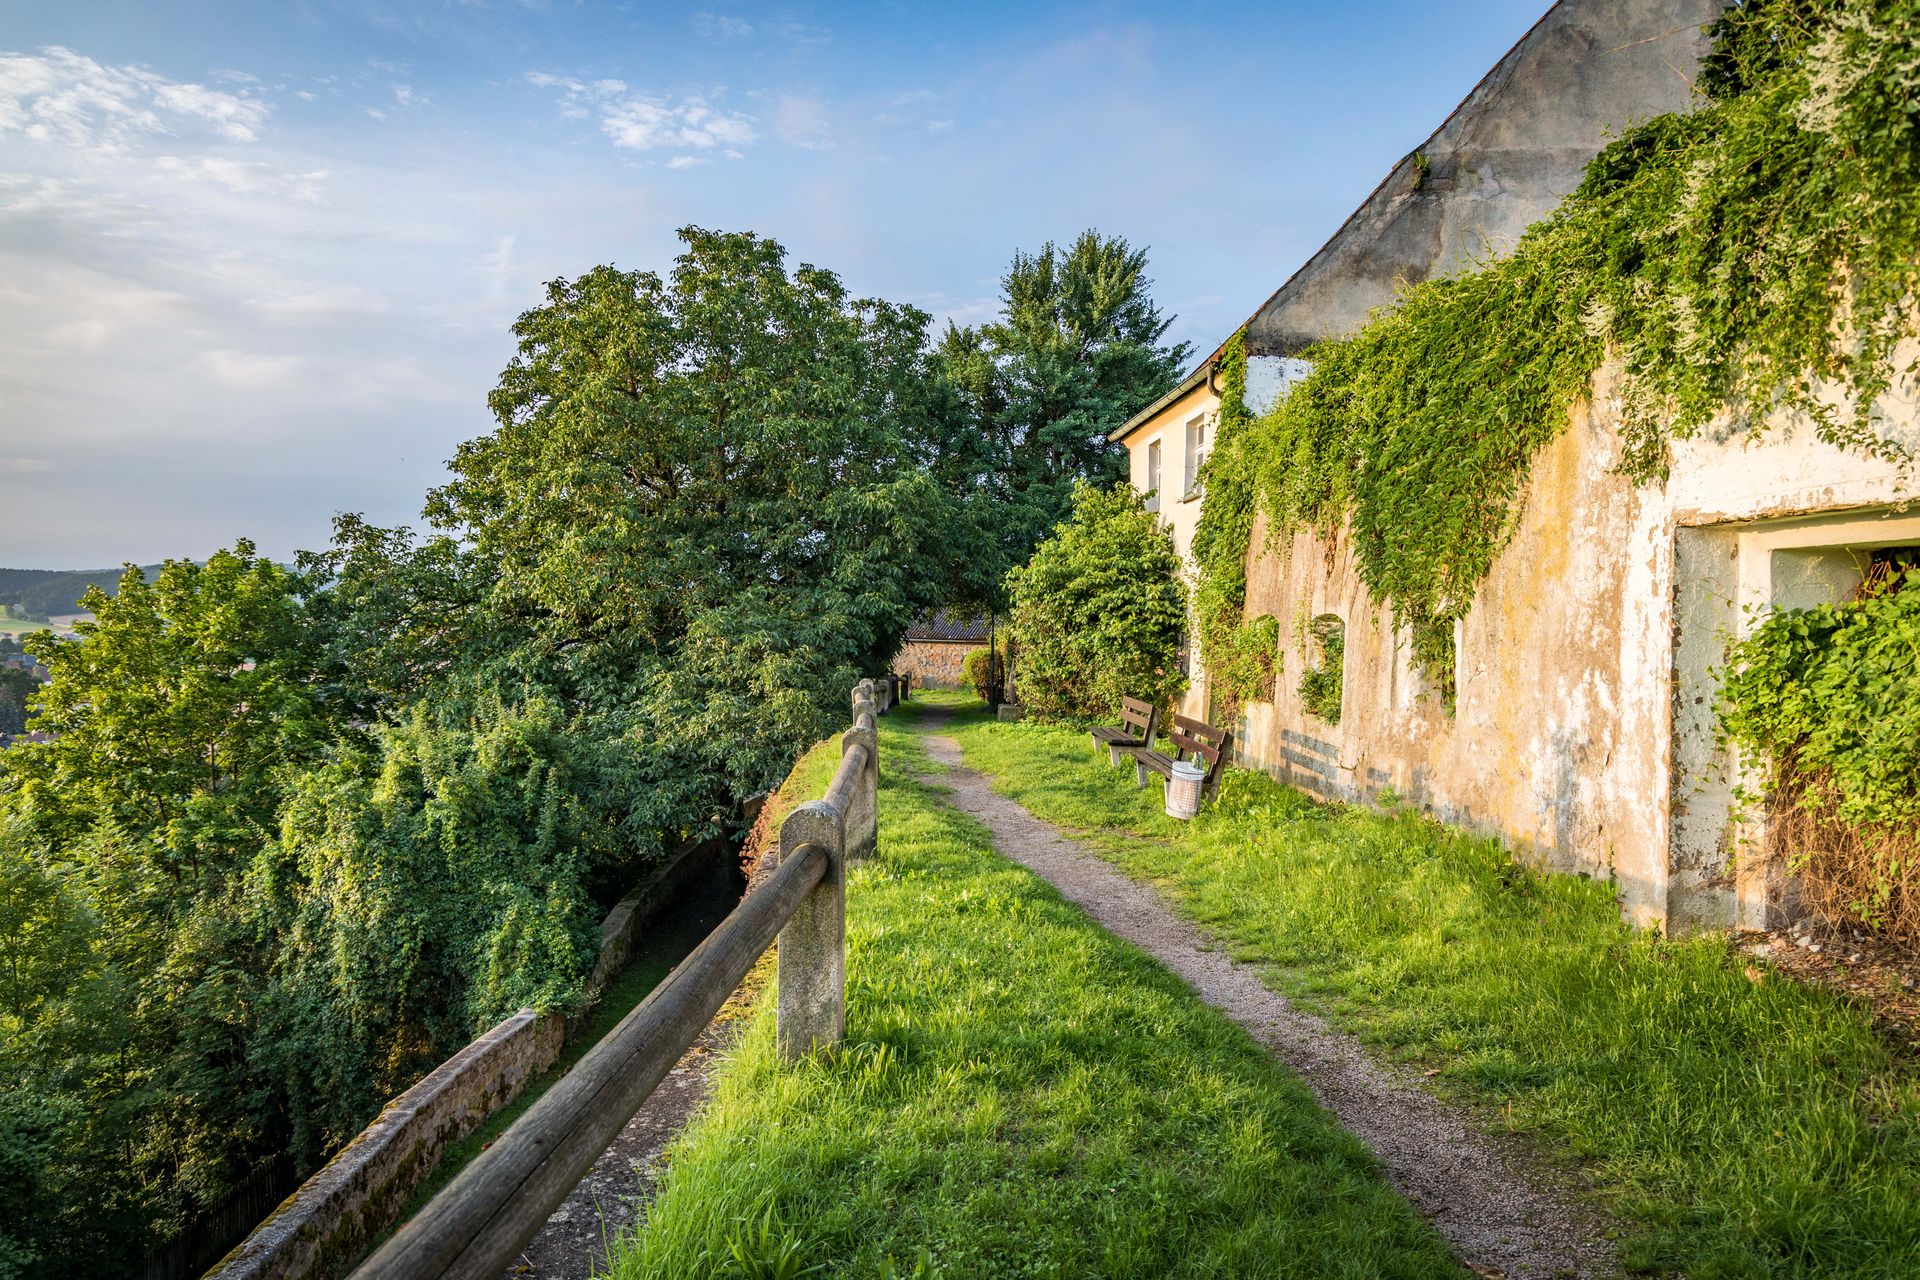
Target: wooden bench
(1139,721)
(1193,741)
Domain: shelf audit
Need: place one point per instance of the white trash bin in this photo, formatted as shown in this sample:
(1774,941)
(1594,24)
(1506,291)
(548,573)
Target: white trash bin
(1183,789)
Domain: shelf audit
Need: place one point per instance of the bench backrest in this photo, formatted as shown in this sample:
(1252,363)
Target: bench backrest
(1140,717)
(1196,739)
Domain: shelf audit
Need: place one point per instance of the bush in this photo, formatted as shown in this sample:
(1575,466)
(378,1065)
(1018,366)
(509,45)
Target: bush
(1099,611)
(1321,687)
(1826,703)
(976,675)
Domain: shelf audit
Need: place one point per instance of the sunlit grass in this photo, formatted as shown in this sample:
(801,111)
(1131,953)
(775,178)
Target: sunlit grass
(1745,1125)
(1019,1094)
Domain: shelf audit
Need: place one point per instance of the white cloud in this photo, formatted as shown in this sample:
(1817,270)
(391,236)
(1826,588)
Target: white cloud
(407,96)
(63,98)
(801,121)
(646,122)
(720,26)
(243,177)
(250,371)
(685,162)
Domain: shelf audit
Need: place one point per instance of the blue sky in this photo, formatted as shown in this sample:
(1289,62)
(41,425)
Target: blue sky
(258,260)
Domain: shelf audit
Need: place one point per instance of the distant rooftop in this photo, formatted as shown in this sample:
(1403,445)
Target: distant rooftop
(943,624)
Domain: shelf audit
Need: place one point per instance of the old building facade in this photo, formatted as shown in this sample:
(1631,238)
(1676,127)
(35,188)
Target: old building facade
(1583,725)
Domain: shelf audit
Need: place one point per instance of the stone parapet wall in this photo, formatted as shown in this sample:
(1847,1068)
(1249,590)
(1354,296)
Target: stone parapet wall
(324,1227)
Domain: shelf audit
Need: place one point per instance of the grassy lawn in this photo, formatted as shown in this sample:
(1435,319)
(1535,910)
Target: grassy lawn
(10,625)
(1744,1125)
(1019,1094)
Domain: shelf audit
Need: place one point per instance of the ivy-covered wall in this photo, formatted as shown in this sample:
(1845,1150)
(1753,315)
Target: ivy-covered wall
(1488,482)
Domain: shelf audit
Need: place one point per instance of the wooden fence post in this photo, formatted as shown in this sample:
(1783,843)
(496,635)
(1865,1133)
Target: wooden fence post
(812,952)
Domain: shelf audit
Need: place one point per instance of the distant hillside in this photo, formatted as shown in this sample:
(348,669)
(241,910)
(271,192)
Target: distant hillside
(41,593)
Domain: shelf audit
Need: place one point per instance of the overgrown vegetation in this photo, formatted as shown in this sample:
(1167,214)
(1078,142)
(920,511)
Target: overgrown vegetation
(1744,1125)
(1735,261)
(1323,682)
(304,831)
(1078,349)
(1019,1094)
(1099,612)
(1825,704)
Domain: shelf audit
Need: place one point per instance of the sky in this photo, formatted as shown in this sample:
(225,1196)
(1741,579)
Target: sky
(259,260)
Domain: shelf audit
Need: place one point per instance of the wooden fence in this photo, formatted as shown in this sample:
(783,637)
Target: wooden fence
(482,1219)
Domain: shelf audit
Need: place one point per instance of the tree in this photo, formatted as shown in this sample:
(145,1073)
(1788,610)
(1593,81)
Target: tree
(708,506)
(1099,611)
(176,720)
(172,717)
(1076,352)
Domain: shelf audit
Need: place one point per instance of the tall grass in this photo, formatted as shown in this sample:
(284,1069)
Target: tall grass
(1019,1094)
(1743,1124)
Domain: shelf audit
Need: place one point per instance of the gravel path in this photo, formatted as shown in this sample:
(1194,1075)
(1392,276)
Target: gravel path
(614,1193)
(1502,1216)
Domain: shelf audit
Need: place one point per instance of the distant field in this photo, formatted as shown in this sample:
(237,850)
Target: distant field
(10,625)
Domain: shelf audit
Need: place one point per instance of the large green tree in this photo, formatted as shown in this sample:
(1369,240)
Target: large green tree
(132,961)
(1077,350)
(709,504)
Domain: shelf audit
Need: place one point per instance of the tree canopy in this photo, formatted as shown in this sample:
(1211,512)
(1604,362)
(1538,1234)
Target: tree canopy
(1077,350)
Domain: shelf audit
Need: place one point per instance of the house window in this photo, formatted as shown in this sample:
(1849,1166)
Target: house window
(1153,475)
(1197,443)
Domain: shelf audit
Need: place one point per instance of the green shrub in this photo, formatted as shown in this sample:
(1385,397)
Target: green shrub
(1099,611)
(1825,702)
(975,673)
(1321,686)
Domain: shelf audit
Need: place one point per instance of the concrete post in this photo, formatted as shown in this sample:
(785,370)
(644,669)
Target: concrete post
(863,809)
(812,952)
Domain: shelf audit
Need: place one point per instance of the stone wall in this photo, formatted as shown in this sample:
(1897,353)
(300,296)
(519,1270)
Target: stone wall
(324,1227)
(1585,666)
(935,663)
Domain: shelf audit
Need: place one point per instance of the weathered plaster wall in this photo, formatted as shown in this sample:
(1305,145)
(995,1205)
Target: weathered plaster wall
(1508,154)
(1584,726)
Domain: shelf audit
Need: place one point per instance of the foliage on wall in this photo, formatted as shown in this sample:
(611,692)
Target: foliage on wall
(1099,611)
(1323,682)
(1825,706)
(1750,256)
(1241,654)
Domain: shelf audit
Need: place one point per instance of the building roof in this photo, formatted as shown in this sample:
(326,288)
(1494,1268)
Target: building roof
(1516,145)
(1186,384)
(943,624)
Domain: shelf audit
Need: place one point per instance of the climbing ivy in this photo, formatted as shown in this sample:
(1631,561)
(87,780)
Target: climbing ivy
(1321,685)
(1754,255)
(1241,655)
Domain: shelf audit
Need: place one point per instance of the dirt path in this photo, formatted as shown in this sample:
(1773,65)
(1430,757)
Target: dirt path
(610,1199)
(1502,1217)
(613,1196)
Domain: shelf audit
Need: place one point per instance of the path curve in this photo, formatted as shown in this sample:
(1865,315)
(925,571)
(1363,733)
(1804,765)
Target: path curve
(1502,1218)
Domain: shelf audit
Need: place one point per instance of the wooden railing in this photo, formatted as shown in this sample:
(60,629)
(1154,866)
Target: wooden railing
(481,1220)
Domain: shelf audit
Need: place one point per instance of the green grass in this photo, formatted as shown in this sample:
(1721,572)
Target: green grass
(19,626)
(1742,1127)
(1019,1094)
